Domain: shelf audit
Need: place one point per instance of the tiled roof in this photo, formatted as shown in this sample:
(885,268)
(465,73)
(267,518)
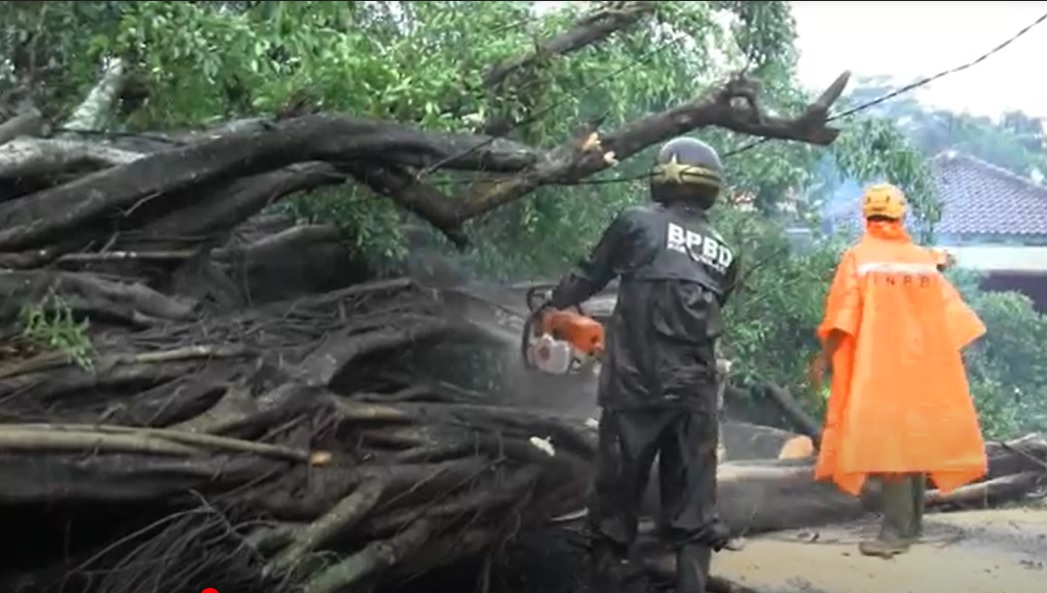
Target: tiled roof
(978,198)
(981,198)
(848,218)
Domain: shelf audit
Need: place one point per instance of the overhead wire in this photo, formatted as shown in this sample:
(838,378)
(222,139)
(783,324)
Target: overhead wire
(673,40)
(911,86)
(750,146)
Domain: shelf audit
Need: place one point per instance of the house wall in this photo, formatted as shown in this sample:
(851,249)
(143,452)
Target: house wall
(1021,268)
(972,240)
(1000,258)
(1031,284)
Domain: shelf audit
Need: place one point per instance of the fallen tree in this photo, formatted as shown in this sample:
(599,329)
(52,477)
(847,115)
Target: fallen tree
(344,452)
(231,417)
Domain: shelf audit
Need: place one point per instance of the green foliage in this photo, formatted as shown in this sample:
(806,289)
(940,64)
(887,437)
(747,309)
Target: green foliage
(51,48)
(763,31)
(424,63)
(419,62)
(368,223)
(1006,367)
(50,325)
(779,303)
(1015,141)
(876,149)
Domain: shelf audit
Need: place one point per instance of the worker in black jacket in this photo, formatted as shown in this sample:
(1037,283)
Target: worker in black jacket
(658,379)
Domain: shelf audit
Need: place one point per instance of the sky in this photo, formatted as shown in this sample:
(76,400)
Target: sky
(920,38)
(916,39)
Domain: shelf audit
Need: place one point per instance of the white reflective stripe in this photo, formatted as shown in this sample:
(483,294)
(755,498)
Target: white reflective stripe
(897,268)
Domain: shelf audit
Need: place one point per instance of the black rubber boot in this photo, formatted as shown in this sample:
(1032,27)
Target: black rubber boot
(692,568)
(919,491)
(606,560)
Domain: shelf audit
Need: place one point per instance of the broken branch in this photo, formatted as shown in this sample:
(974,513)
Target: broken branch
(569,163)
(340,519)
(374,557)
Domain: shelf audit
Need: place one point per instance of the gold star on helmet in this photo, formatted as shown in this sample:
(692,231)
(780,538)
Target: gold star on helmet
(673,170)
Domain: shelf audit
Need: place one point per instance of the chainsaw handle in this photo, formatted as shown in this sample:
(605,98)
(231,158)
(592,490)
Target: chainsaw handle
(525,336)
(533,293)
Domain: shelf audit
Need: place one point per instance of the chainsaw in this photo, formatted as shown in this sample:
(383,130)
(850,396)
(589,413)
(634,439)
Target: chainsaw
(559,342)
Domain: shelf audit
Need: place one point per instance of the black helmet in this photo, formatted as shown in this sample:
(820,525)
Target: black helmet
(687,170)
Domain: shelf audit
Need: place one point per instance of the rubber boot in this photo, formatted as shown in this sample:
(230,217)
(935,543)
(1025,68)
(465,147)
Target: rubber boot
(884,547)
(901,518)
(606,569)
(919,492)
(692,568)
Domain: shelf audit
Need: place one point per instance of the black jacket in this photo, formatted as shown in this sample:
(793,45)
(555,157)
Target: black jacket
(676,274)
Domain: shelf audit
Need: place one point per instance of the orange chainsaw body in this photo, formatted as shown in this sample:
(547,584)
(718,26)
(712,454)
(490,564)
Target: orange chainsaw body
(559,342)
(584,334)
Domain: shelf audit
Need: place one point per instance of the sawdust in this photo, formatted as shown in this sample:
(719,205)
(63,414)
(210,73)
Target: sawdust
(996,551)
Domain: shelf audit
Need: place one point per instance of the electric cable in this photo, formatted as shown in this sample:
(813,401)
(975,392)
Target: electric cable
(751,145)
(911,86)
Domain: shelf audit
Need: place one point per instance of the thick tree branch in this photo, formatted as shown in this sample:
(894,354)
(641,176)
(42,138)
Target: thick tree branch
(28,157)
(578,158)
(279,158)
(95,109)
(27,123)
(426,201)
(591,29)
(40,217)
(228,204)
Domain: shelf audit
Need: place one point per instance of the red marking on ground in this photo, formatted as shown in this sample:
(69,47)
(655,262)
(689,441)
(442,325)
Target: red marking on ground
(210,590)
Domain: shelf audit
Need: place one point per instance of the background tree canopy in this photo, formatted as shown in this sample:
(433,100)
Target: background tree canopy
(193,63)
(1014,141)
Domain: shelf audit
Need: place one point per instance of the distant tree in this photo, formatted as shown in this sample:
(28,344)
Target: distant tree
(1014,142)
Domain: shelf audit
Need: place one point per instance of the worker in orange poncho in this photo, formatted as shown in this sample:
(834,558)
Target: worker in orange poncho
(899,406)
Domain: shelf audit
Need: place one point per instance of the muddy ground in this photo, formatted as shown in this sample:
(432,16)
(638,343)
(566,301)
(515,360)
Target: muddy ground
(996,551)
(993,551)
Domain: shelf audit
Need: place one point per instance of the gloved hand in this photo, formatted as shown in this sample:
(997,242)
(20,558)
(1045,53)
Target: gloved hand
(816,372)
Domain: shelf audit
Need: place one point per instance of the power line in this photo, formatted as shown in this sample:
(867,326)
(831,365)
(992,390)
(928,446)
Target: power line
(911,86)
(751,145)
(654,51)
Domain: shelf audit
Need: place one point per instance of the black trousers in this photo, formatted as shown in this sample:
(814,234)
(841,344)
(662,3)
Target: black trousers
(685,443)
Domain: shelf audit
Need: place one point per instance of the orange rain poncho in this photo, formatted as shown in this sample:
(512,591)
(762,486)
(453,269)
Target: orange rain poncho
(899,398)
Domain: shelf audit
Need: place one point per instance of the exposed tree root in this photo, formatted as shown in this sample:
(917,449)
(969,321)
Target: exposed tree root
(376,556)
(104,437)
(130,302)
(53,360)
(341,518)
